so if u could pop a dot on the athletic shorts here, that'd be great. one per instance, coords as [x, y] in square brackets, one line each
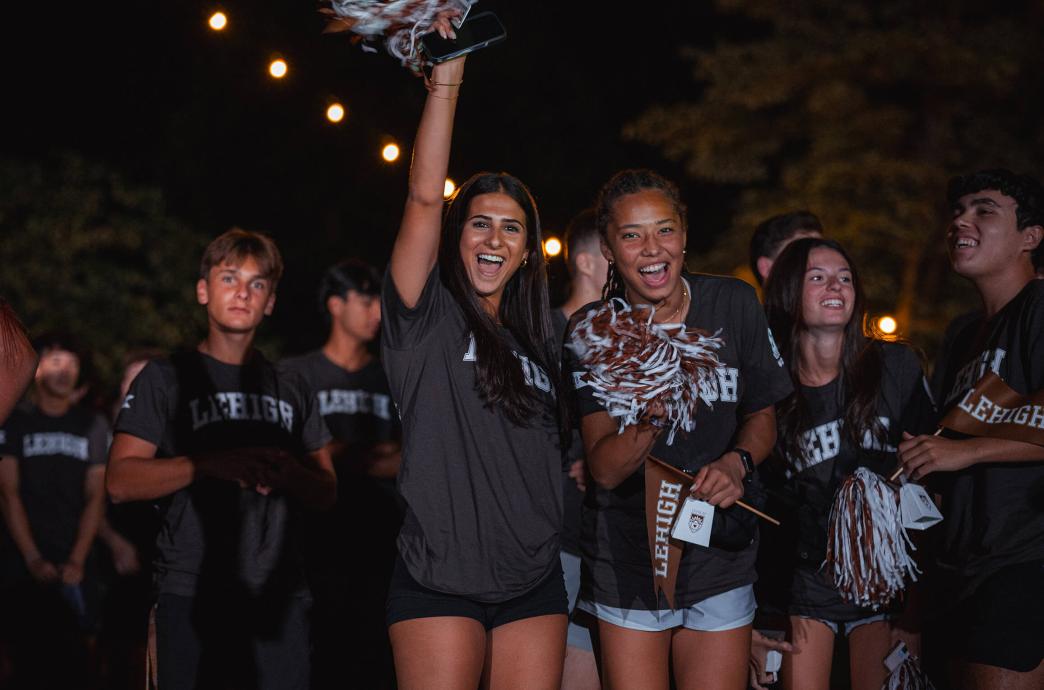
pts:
[579, 636]
[845, 628]
[725, 611]
[1002, 623]
[408, 599]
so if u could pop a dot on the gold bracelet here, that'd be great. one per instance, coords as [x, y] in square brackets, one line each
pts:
[442, 98]
[456, 83]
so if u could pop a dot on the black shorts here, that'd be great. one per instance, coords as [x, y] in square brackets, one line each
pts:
[1000, 624]
[408, 599]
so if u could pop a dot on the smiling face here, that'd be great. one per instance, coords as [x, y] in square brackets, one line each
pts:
[58, 372]
[645, 238]
[237, 297]
[493, 243]
[983, 239]
[828, 294]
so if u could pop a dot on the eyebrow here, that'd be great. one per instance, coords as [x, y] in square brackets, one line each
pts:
[820, 268]
[638, 225]
[235, 270]
[506, 220]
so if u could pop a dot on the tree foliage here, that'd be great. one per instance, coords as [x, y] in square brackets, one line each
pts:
[860, 111]
[86, 253]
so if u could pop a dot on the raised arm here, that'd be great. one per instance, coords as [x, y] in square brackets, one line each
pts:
[417, 245]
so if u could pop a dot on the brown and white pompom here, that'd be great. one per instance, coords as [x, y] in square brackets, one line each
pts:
[399, 22]
[868, 550]
[908, 676]
[632, 362]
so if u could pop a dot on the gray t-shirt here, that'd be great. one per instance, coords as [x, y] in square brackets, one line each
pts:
[483, 495]
[213, 533]
[615, 544]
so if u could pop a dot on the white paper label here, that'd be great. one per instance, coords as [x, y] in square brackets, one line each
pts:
[896, 657]
[916, 507]
[694, 522]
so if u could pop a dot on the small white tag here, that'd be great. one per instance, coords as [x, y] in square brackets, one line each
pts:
[773, 659]
[916, 507]
[694, 522]
[896, 657]
[464, 9]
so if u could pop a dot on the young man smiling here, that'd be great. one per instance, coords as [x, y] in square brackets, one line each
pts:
[991, 560]
[231, 446]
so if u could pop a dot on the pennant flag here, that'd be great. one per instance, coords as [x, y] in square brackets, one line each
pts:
[665, 489]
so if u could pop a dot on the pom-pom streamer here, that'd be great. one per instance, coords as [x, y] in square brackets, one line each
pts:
[400, 22]
[868, 550]
[908, 676]
[632, 362]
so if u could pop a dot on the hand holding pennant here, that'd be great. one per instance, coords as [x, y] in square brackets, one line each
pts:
[666, 487]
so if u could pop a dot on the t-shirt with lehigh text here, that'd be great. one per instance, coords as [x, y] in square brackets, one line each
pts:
[214, 533]
[483, 495]
[615, 548]
[54, 455]
[904, 403]
[993, 512]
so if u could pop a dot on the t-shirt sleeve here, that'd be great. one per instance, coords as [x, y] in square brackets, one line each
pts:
[98, 440]
[762, 367]
[1033, 333]
[148, 406]
[404, 327]
[314, 433]
[919, 414]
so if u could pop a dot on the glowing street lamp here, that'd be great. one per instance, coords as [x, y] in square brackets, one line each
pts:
[552, 246]
[449, 188]
[887, 325]
[278, 68]
[390, 153]
[335, 113]
[218, 21]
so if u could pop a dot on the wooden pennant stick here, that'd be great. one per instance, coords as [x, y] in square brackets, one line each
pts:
[757, 512]
[899, 470]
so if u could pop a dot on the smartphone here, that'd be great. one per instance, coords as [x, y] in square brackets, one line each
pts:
[480, 30]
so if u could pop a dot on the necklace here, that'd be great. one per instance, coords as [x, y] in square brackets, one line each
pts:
[684, 302]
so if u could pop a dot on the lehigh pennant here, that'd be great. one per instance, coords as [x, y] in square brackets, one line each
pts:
[993, 409]
[665, 489]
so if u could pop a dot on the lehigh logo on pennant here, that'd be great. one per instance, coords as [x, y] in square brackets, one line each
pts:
[696, 522]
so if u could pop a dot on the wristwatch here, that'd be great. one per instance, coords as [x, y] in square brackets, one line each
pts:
[748, 463]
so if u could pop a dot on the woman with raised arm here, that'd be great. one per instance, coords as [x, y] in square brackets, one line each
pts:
[706, 633]
[853, 398]
[477, 596]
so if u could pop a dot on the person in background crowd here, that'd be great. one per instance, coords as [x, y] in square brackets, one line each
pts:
[774, 234]
[990, 566]
[588, 270]
[52, 468]
[232, 446]
[350, 641]
[853, 399]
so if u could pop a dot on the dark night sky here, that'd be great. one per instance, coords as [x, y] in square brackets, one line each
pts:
[148, 89]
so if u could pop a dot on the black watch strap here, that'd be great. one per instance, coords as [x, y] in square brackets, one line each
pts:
[748, 462]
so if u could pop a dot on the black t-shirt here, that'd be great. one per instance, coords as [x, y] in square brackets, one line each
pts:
[213, 532]
[617, 571]
[483, 495]
[572, 496]
[904, 404]
[358, 410]
[994, 512]
[53, 456]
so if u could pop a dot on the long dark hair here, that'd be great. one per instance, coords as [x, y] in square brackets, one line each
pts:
[621, 184]
[524, 308]
[860, 356]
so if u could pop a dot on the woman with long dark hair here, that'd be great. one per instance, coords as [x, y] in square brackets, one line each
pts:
[477, 595]
[853, 398]
[706, 633]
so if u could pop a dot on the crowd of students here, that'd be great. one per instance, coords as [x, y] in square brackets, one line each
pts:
[465, 512]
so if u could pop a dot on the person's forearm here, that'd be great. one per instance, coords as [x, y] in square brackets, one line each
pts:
[615, 457]
[384, 463]
[18, 526]
[757, 434]
[144, 479]
[90, 519]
